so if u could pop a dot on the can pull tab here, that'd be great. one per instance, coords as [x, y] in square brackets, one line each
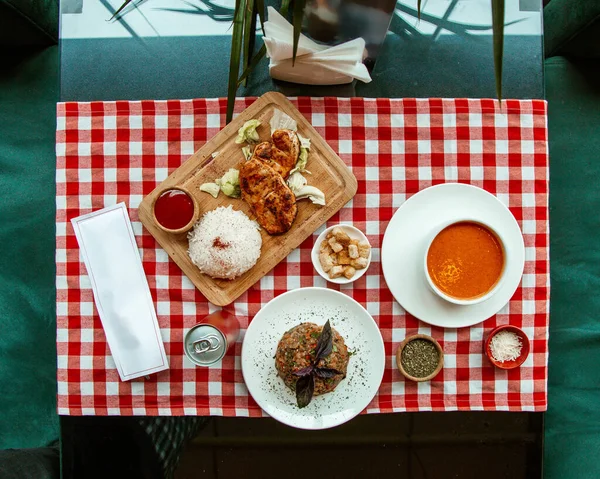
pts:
[206, 344]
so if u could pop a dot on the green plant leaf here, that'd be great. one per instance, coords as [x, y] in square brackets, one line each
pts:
[297, 17]
[285, 6]
[260, 6]
[255, 59]
[120, 9]
[498, 31]
[236, 44]
[234, 59]
[248, 34]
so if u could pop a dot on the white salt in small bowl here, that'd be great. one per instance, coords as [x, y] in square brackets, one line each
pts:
[354, 233]
[515, 363]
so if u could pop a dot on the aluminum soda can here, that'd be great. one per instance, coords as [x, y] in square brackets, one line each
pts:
[208, 341]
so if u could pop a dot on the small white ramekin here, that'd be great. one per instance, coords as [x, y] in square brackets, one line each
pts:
[354, 233]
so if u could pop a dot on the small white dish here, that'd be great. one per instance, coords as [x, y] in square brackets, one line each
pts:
[406, 239]
[483, 297]
[315, 305]
[354, 233]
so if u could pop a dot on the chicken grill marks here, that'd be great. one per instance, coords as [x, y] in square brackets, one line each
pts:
[270, 198]
[282, 153]
[262, 181]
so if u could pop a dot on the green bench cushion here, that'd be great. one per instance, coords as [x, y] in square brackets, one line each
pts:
[28, 22]
[572, 27]
[28, 95]
[573, 418]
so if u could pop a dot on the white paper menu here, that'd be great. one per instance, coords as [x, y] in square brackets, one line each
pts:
[121, 291]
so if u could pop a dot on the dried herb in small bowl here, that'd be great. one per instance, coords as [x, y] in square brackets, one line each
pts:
[305, 386]
[420, 357]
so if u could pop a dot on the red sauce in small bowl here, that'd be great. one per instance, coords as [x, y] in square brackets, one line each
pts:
[174, 209]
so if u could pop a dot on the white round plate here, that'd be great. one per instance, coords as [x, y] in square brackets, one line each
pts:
[317, 305]
[405, 242]
[354, 233]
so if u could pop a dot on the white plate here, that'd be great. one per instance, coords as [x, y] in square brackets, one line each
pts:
[317, 305]
[354, 233]
[405, 242]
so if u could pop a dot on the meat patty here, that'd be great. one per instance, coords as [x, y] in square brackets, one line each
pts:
[295, 351]
[282, 154]
[270, 198]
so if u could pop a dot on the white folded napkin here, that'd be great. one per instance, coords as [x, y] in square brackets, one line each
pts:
[121, 291]
[315, 64]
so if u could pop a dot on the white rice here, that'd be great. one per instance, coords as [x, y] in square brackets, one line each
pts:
[225, 243]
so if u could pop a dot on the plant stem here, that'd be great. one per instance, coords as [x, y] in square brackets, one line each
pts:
[234, 60]
[498, 31]
[297, 18]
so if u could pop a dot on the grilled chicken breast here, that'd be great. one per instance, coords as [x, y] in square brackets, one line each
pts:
[282, 154]
[267, 153]
[264, 189]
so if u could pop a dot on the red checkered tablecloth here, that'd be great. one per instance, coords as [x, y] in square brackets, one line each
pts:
[108, 152]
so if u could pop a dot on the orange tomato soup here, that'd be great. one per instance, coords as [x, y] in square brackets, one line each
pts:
[465, 260]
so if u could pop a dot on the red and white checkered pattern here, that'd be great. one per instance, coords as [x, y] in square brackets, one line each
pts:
[110, 152]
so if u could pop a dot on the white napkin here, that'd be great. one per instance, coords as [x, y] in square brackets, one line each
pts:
[121, 292]
[315, 64]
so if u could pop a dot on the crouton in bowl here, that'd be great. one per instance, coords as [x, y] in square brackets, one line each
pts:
[341, 254]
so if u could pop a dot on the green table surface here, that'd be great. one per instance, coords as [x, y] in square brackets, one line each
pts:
[28, 91]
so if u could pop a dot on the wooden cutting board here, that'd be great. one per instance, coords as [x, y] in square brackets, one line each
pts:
[329, 174]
